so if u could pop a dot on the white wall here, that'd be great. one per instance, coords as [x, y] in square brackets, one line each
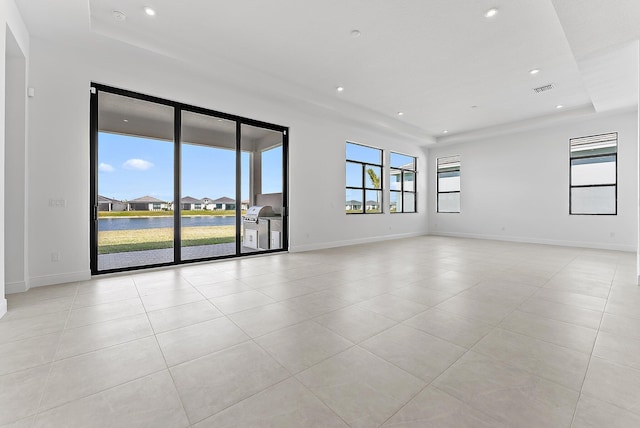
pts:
[58, 155]
[516, 187]
[15, 209]
[10, 68]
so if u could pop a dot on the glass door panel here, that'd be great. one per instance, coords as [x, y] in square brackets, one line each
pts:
[135, 183]
[208, 187]
[262, 177]
[173, 183]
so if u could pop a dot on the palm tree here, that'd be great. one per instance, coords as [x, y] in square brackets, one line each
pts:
[375, 180]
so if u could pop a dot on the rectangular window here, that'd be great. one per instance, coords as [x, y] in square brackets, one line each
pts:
[594, 171]
[363, 179]
[448, 184]
[402, 194]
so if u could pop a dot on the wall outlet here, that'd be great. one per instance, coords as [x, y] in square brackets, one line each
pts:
[57, 203]
[55, 257]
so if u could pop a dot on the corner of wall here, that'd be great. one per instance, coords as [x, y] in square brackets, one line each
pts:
[15, 287]
[41, 281]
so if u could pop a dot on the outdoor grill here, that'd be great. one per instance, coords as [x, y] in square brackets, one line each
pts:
[256, 227]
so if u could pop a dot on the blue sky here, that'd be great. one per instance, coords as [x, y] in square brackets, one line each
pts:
[369, 155]
[131, 167]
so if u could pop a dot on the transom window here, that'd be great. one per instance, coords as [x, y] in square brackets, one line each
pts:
[448, 184]
[594, 169]
[363, 179]
[402, 175]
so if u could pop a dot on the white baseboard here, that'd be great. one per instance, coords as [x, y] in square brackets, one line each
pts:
[529, 240]
[335, 244]
[61, 278]
[3, 307]
[15, 287]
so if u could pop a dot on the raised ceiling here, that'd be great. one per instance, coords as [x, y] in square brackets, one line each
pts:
[441, 63]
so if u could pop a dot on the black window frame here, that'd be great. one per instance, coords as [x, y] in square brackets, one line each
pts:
[593, 139]
[402, 190]
[364, 187]
[96, 89]
[438, 192]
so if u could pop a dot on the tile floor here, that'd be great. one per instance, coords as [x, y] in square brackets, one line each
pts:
[410, 333]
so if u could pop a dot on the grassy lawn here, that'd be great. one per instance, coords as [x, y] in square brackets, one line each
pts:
[120, 241]
[106, 214]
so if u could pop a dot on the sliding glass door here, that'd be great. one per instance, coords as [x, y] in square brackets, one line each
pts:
[262, 159]
[135, 183]
[173, 183]
[208, 202]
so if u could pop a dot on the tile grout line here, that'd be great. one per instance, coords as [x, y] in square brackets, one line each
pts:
[250, 339]
[46, 383]
[595, 341]
[494, 327]
[155, 336]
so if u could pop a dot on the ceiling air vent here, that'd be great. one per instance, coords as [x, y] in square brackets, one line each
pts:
[543, 88]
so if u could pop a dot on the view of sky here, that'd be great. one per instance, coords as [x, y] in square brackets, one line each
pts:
[132, 167]
[371, 156]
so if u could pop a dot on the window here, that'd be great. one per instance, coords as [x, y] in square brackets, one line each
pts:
[594, 169]
[449, 184]
[363, 179]
[402, 196]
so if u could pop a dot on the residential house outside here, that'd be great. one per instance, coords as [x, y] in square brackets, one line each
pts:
[224, 203]
[108, 204]
[148, 203]
[207, 203]
[353, 205]
[190, 203]
[372, 206]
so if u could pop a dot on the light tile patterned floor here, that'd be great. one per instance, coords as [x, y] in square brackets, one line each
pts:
[418, 332]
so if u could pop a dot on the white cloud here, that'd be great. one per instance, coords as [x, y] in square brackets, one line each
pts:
[139, 164]
[105, 167]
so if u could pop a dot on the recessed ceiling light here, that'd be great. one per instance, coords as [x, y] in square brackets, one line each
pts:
[491, 12]
[534, 71]
[149, 11]
[445, 131]
[559, 106]
[339, 89]
[119, 16]
[400, 113]
[355, 33]
[125, 120]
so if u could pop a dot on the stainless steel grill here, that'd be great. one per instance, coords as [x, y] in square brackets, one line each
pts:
[256, 227]
[257, 211]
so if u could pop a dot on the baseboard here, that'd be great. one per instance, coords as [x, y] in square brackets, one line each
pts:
[335, 244]
[41, 281]
[15, 287]
[3, 307]
[529, 240]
